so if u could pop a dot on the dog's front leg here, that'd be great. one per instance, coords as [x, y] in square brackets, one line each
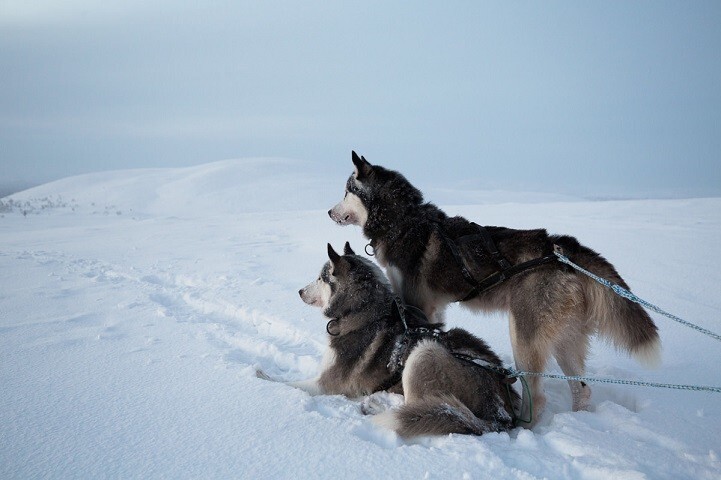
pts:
[418, 294]
[311, 386]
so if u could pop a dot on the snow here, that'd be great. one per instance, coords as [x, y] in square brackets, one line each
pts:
[135, 307]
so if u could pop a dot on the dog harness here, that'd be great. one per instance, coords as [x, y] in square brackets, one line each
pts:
[505, 269]
[407, 339]
[410, 337]
[419, 329]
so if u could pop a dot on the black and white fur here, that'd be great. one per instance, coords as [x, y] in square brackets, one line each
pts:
[443, 393]
[552, 310]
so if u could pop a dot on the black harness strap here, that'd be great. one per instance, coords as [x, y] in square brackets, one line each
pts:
[499, 277]
[415, 328]
[490, 246]
[506, 375]
[457, 254]
[506, 269]
[410, 336]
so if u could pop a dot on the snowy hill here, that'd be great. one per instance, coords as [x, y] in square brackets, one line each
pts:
[136, 305]
[230, 186]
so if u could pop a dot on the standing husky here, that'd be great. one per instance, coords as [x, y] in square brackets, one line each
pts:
[433, 259]
[377, 344]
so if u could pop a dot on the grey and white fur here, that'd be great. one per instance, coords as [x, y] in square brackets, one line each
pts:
[443, 393]
[552, 310]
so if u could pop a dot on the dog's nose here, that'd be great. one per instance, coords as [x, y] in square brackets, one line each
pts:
[330, 214]
[300, 292]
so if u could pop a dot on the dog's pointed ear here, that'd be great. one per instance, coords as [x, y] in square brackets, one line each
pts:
[347, 250]
[333, 255]
[362, 166]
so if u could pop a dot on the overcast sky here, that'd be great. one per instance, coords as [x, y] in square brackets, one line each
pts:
[597, 98]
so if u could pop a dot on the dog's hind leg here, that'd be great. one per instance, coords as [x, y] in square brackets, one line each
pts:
[439, 394]
[530, 352]
[570, 354]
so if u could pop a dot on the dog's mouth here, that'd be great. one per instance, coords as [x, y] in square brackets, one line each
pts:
[312, 300]
[341, 219]
[345, 220]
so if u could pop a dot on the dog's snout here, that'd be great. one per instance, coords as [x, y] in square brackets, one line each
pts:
[330, 213]
[300, 292]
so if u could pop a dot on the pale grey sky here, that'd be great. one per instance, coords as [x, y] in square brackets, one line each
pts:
[597, 98]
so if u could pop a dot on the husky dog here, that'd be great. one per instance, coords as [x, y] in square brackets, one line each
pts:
[452, 381]
[433, 259]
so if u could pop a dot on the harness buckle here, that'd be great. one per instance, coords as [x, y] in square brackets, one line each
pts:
[503, 263]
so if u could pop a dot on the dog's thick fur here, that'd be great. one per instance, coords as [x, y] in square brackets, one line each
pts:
[443, 394]
[552, 309]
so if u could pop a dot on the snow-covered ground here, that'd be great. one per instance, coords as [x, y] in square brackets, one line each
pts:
[135, 307]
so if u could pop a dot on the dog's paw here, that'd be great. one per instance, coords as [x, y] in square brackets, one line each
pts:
[379, 402]
[371, 406]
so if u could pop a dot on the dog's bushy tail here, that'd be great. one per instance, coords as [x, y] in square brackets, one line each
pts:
[438, 414]
[625, 323]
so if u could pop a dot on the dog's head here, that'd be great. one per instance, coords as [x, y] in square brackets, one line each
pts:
[346, 283]
[374, 194]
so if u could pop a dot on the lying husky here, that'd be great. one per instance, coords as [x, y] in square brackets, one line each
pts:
[376, 344]
[433, 259]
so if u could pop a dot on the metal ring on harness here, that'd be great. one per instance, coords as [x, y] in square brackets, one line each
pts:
[372, 253]
[327, 327]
